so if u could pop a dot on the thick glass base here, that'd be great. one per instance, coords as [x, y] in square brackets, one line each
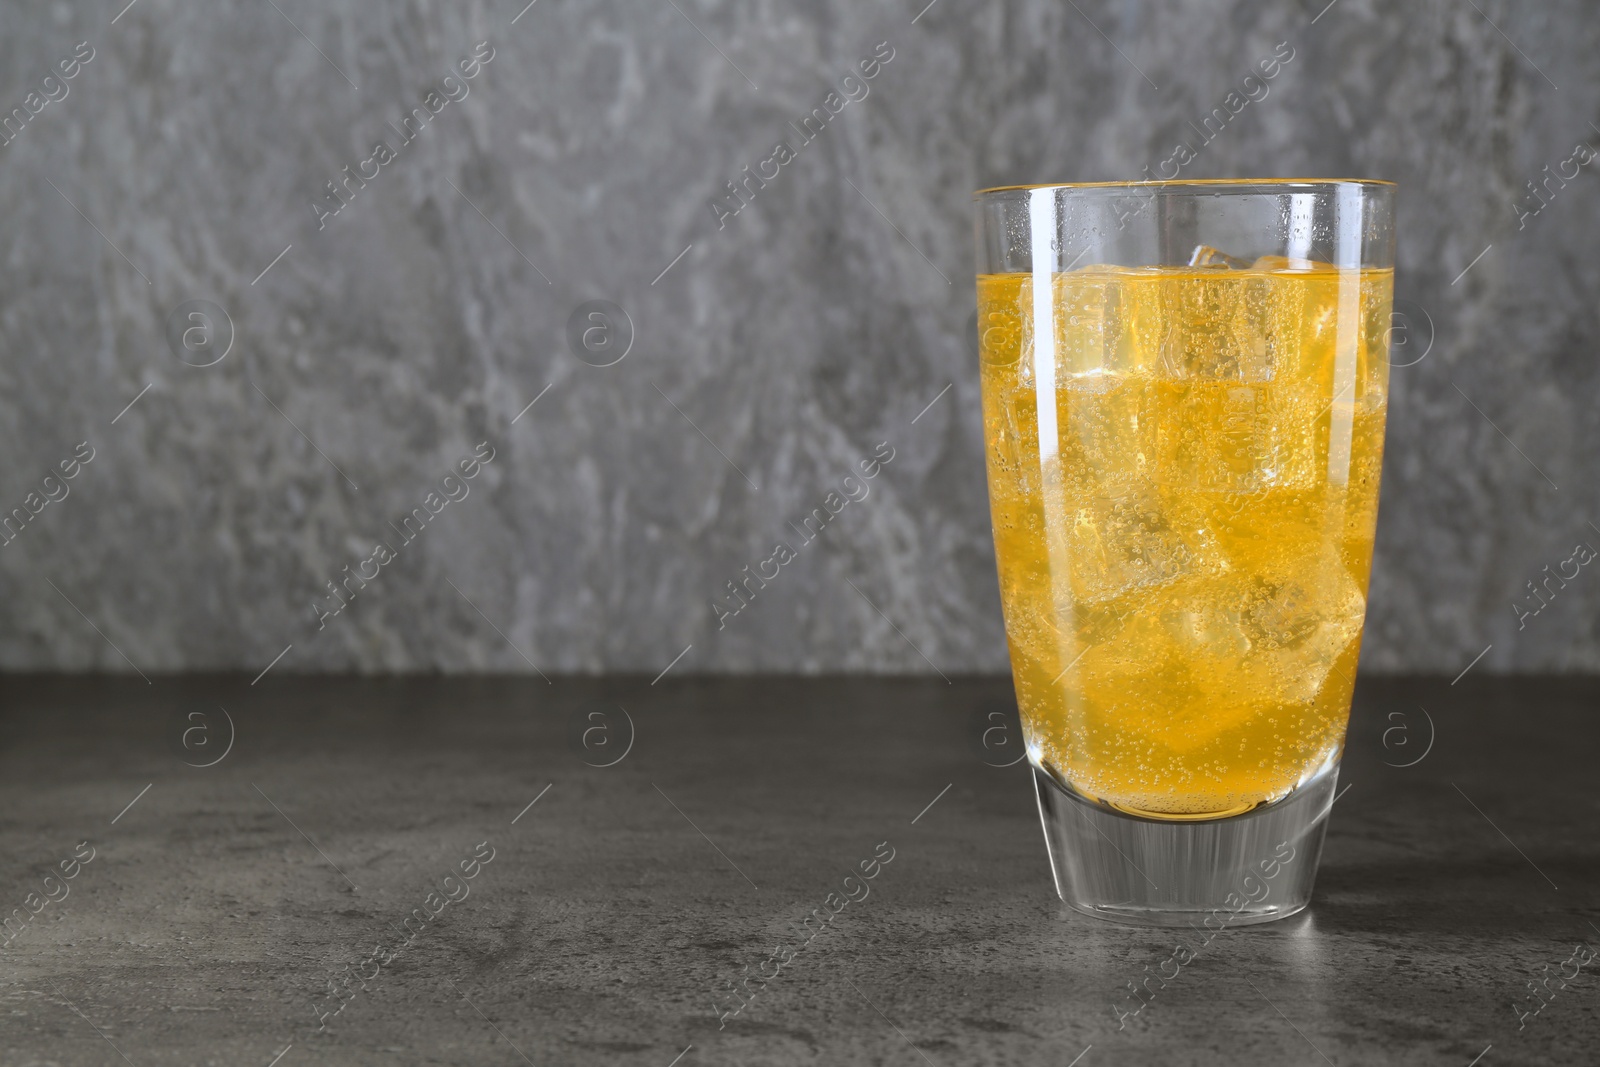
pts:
[1234, 871]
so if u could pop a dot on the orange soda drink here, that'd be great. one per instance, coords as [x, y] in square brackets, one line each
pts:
[1184, 519]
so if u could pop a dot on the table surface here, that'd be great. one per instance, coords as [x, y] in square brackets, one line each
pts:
[259, 906]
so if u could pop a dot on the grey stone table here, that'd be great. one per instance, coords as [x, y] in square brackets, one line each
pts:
[445, 871]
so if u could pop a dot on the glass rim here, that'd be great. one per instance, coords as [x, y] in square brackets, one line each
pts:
[1266, 184]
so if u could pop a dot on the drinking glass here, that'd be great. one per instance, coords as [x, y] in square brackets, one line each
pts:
[1184, 389]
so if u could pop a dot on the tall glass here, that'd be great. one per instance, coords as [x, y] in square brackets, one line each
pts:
[1184, 388]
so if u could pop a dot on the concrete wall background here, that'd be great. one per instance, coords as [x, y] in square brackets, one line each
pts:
[771, 358]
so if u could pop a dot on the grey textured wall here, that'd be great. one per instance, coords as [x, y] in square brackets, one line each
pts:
[776, 352]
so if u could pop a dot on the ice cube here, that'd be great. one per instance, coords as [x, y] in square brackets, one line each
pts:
[1000, 326]
[1289, 263]
[1234, 437]
[1011, 434]
[1206, 256]
[1121, 540]
[1300, 618]
[1090, 321]
[1210, 654]
[1158, 680]
[1104, 429]
[1213, 327]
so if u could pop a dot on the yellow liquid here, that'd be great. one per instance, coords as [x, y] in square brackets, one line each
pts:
[1184, 552]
